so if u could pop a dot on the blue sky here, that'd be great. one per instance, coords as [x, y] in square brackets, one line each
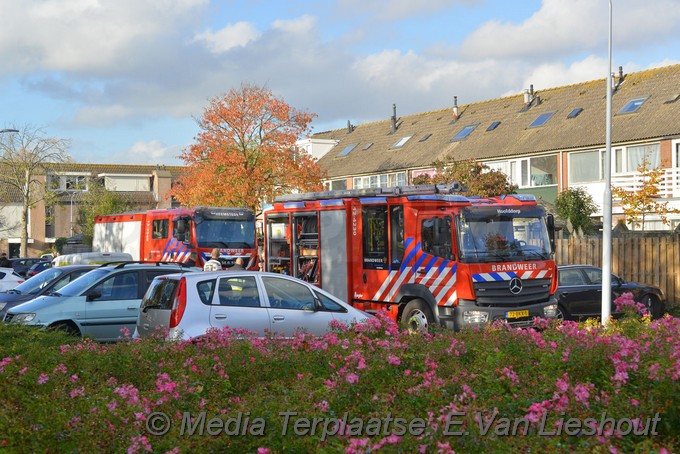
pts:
[125, 80]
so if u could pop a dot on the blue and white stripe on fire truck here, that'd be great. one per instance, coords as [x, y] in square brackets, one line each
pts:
[419, 267]
[175, 251]
[491, 277]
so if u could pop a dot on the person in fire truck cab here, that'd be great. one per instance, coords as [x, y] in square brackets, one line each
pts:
[238, 265]
[214, 263]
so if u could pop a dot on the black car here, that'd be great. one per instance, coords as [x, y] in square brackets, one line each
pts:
[22, 264]
[579, 293]
[48, 281]
[38, 268]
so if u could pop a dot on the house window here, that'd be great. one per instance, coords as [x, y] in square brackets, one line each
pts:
[337, 185]
[585, 166]
[574, 113]
[463, 133]
[380, 181]
[543, 170]
[677, 155]
[493, 125]
[632, 106]
[75, 182]
[541, 120]
[401, 142]
[348, 149]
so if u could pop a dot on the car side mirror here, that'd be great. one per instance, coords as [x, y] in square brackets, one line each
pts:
[311, 307]
[93, 295]
[550, 223]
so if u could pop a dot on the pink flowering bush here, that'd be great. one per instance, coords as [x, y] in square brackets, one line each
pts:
[355, 390]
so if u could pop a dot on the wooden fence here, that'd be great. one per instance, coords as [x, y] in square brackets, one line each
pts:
[651, 260]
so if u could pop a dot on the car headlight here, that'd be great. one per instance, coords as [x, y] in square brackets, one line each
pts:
[23, 318]
[550, 311]
[475, 317]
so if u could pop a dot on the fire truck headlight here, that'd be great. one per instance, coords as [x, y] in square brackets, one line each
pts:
[475, 317]
[550, 311]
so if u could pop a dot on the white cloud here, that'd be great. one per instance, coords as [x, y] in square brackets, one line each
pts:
[303, 25]
[88, 35]
[560, 28]
[229, 37]
[151, 152]
[397, 9]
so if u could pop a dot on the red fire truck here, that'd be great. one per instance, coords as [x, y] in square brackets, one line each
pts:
[171, 235]
[422, 253]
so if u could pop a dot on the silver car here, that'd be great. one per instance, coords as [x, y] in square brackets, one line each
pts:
[102, 303]
[184, 307]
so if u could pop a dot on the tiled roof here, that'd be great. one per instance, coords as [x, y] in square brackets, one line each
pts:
[145, 197]
[656, 118]
[96, 169]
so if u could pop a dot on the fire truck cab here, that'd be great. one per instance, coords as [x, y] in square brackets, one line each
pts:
[422, 253]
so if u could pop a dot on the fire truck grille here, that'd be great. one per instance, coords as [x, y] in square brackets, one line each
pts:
[497, 293]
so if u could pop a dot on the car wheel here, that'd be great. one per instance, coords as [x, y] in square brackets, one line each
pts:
[562, 314]
[417, 316]
[67, 327]
[653, 306]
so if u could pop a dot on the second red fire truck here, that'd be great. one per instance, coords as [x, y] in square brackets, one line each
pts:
[171, 235]
[422, 253]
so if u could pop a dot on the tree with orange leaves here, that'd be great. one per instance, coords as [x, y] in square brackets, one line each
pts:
[245, 152]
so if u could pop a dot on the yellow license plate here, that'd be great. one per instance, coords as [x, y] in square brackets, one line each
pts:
[517, 314]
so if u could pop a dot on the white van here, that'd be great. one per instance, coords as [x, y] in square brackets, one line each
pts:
[91, 258]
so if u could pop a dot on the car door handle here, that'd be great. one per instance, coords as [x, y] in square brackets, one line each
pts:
[133, 308]
[220, 316]
[279, 318]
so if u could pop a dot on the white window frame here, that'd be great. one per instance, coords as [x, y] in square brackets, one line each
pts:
[600, 162]
[620, 156]
[518, 170]
[379, 180]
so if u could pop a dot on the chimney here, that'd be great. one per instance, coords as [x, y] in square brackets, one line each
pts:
[620, 81]
[350, 128]
[455, 107]
[529, 95]
[394, 118]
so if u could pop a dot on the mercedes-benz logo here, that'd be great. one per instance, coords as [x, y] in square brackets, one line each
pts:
[515, 285]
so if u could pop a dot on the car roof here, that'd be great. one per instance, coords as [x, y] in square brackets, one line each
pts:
[564, 267]
[144, 265]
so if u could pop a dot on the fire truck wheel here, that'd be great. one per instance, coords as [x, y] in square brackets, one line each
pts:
[417, 316]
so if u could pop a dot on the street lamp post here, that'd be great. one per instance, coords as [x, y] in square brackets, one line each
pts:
[607, 203]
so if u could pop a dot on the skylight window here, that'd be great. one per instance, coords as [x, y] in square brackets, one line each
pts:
[348, 149]
[367, 146]
[463, 133]
[493, 125]
[541, 120]
[632, 106]
[574, 113]
[401, 142]
[425, 137]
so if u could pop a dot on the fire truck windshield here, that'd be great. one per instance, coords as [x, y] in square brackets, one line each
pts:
[225, 233]
[499, 234]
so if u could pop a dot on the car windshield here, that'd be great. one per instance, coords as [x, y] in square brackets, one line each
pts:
[237, 234]
[34, 285]
[488, 234]
[84, 282]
